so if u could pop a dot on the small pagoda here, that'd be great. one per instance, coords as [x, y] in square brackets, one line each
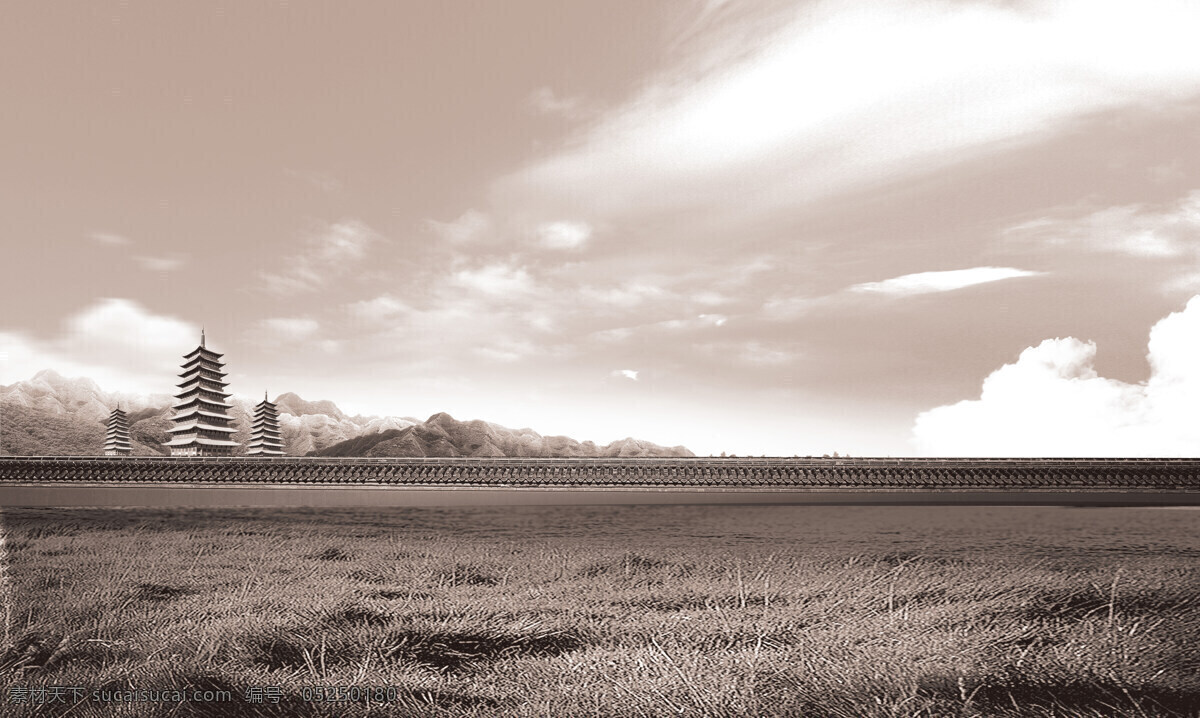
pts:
[264, 435]
[203, 426]
[116, 441]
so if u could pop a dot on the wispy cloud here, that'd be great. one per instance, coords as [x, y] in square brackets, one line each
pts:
[945, 281]
[377, 309]
[159, 264]
[747, 353]
[322, 257]
[564, 235]
[630, 374]
[796, 116]
[110, 239]
[290, 328]
[547, 102]
[496, 280]
[1135, 230]
[471, 226]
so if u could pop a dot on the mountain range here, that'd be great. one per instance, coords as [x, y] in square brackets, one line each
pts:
[50, 415]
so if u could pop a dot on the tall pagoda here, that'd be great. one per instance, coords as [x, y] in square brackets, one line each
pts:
[116, 441]
[203, 426]
[264, 434]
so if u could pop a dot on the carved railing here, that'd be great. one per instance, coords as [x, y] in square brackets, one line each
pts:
[779, 473]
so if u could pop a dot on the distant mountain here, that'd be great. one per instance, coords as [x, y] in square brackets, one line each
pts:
[443, 435]
[50, 415]
[54, 416]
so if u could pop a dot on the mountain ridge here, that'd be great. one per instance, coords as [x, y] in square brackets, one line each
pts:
[52, 415]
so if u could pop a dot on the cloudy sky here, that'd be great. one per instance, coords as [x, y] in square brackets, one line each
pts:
[877, 228]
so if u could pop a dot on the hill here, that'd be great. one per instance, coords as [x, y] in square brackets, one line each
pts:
[49, 415]
[443, 435]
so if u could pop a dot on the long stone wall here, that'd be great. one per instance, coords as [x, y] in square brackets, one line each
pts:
[845, 473]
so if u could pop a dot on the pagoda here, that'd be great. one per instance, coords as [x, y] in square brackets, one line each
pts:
[203, 426]
[116, 442]
[264, 434]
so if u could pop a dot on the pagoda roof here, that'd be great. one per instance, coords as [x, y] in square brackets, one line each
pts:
[117, 442]
[267, 444]
[189, 380]
[197, 440]
[185, 414]
[193, 425]
[201, 400]
[198, 390]
[201, 351]
[195, 367]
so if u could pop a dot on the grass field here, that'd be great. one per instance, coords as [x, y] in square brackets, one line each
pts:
[606, 611]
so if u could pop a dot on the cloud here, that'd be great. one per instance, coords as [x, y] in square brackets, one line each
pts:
[507, 350]
[1135, 230]
[291, 329]
[116, 342]
[112, 240]
[495, 280]
[377, 309]
[1052, 402]
[626, 296]
[159, 264]
[545, 101]
[930, 282]
[323, 257]
[471, 226]
[751, 353]
[626, 374]
[841, 95]
[564, 235]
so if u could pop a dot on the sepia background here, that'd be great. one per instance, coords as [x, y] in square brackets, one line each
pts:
[882, 228]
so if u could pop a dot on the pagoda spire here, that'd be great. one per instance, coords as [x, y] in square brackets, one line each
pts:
[265, 439]
[116, 440]
[203, 426]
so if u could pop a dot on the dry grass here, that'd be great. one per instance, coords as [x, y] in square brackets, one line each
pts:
[481, 613]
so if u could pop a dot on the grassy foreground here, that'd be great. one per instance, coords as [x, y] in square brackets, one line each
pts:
[525, 624]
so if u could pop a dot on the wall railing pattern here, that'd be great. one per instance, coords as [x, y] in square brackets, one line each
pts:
[777, 473]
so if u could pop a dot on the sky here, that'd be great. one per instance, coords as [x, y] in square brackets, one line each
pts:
[757, 227]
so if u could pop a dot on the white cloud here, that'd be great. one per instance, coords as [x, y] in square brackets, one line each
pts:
[112, 240]
[324, 256]
[702, 320]
[292, 329]
[747, 353]
[159, 264]
[495, 280]
[626, 296]
[631, 374]
[472, 225]
[929, 282]
[564, 235]
[547, 102]
[1135, 230]
[1052, 402]
[377, 309]
[507, 350]
[848, 93]
[116, 342]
